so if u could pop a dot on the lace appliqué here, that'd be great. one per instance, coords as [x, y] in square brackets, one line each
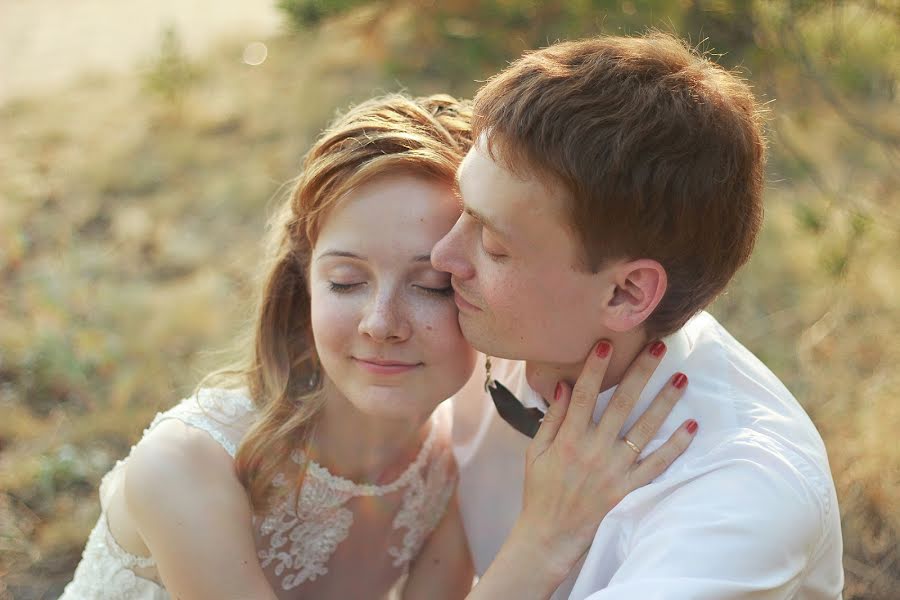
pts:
[303, 539]
[304, 535]
[424, 503]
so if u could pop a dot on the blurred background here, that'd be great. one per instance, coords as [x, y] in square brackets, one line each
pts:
[143, 144]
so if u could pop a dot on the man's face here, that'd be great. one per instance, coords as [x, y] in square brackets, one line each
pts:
[514, 262]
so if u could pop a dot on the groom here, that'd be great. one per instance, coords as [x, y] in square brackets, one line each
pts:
[613, 191]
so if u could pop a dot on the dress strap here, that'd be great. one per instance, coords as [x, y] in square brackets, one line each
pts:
[224, 414]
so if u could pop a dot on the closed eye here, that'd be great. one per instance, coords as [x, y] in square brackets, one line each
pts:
[342, 288]
[484, 246]
[443, 292]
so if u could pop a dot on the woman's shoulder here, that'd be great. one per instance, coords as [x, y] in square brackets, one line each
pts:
[194, 441]
[177, 468]
[175, 455]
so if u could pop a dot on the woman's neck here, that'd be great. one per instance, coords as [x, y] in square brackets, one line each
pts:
[362, 447]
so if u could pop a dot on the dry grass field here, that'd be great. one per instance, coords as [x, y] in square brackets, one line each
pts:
[131, 209]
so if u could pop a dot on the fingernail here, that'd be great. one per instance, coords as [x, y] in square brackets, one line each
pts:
[691, 426]
[657, 349]
[558, 392]
[680, 381]
[603, 349]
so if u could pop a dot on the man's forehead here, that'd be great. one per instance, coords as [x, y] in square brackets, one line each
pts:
[489, 187]
[480, 159]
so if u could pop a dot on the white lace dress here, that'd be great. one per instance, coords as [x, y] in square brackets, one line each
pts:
[295, 540]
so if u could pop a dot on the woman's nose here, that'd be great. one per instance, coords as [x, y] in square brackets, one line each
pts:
[385, 319]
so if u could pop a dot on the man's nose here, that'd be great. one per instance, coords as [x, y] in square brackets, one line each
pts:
[385, 319]
[450, 255]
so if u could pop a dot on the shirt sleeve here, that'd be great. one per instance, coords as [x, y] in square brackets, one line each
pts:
[747, 528]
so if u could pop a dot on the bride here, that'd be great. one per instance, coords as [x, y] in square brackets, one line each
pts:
[322, 467]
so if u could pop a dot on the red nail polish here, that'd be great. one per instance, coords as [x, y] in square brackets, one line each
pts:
[558, 392]
[691, 426]
[603, 349]
[657, 349]
[680, 381]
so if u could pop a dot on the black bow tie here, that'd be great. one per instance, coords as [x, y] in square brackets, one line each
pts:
[524, 420]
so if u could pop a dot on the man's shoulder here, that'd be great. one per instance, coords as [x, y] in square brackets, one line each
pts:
[742, 507]
[715, 348]
[741, 394]
[745, 480]
[758, 455]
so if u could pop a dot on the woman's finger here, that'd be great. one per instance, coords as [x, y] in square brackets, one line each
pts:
[628, 392]
[645, 428]
[660, 459]
[584, 395]
[552, 421]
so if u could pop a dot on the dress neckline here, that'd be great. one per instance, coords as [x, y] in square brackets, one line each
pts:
[353, 488]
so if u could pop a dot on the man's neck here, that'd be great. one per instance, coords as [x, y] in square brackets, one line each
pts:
[542, 377]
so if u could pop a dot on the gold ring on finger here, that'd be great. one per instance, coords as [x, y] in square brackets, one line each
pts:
[632, 445]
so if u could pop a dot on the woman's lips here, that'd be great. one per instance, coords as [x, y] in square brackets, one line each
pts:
[385, 367]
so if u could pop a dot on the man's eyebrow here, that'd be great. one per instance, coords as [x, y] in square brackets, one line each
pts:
[485, 222]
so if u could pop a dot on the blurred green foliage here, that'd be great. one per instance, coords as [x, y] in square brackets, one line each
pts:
[457, 39]
[170, 74]
[308, 13]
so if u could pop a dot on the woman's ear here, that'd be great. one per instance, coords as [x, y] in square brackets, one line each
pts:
[640, 286]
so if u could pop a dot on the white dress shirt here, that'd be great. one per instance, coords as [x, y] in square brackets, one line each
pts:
[748, 511]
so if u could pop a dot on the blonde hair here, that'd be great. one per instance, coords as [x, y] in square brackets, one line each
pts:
[427, 137]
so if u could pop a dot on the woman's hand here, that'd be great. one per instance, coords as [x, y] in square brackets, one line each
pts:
[577, 471]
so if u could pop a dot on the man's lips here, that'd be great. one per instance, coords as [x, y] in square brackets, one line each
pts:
[385, 367]
[462, 303]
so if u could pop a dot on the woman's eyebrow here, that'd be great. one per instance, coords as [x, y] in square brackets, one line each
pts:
[421, 258]
[340, 254]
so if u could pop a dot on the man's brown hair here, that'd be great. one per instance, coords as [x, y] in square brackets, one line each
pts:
[660, 149]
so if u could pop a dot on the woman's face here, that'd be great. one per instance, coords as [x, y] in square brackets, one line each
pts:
[384, 321]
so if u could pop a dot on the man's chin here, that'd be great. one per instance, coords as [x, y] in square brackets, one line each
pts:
[474, 333]
[482, 338]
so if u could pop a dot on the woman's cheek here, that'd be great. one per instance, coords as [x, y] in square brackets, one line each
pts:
[440, 317]
[449, 345]
[333, 319]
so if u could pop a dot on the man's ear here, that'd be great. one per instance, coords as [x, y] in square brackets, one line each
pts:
[640, 286]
